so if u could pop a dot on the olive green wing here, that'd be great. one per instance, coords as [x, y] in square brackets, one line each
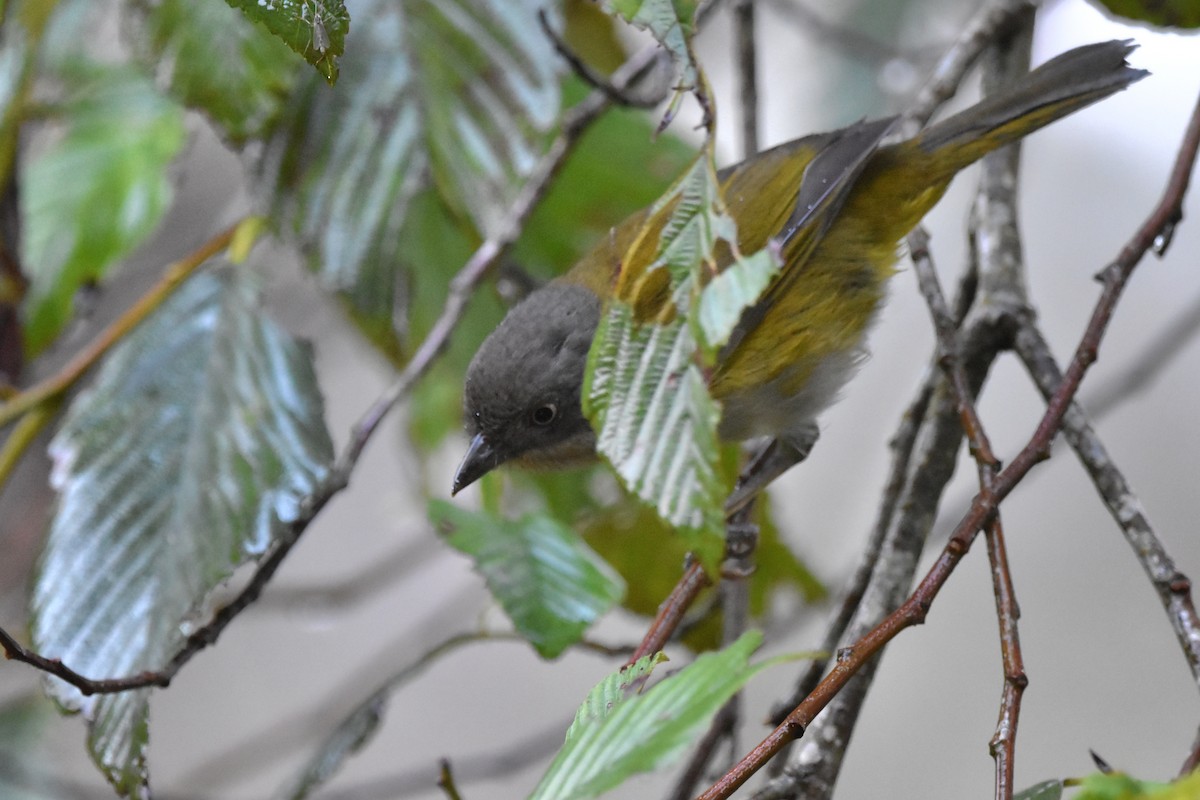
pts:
[830, 165]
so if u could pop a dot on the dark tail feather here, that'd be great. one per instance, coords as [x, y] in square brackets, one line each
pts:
[1062, 85]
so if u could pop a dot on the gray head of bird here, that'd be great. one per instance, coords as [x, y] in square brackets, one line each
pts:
[522, 393]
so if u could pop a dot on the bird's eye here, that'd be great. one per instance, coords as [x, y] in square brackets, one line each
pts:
[544, 415]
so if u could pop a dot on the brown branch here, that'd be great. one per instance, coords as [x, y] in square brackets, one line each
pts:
[1003, 742]
[1192, 762]
[1171, 585]
[199, 640]
[740, 544]
[997, 196]
[1000, 171]
[902, 446]
[1115, 277]
[672, 611]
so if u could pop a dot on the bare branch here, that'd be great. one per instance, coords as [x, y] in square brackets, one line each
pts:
[746, 60]
[1004, 740]
[617, 94]
[987, 26]
[672, 611]
[1192, 762]
[1001, 171]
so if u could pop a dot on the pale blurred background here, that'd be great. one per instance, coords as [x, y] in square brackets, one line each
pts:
[1105, 671]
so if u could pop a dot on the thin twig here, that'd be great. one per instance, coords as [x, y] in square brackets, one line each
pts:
[672, 611]
[1172, 586]
[746, 59]
[446, 780]
[740, 545]
[984, 28]
[999, 172]
[721, 728]
[1115, 277]
[997, 201]
[1004, 740]
[23, 434]
[946, 330]
[616, 94]
[1192, 762]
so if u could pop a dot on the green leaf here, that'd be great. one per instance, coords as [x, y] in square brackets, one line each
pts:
[1119, 786]
[694, 226]
[97, 192]
[316, 29]
[545, 578]
[1185, 788]
[350, 736]
[1046, 790]
[644, 390]
[1164, 13]
[617, 734]
[724, 299]
[188, 457]
[214, 59]
[457, 96]
[606, 696]
[656, 423]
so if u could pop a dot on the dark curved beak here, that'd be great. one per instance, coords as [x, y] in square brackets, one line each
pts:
[479, 461]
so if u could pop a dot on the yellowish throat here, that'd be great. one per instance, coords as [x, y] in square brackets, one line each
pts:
[793, 350]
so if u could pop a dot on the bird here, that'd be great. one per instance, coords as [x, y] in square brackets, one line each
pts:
[835, 207]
